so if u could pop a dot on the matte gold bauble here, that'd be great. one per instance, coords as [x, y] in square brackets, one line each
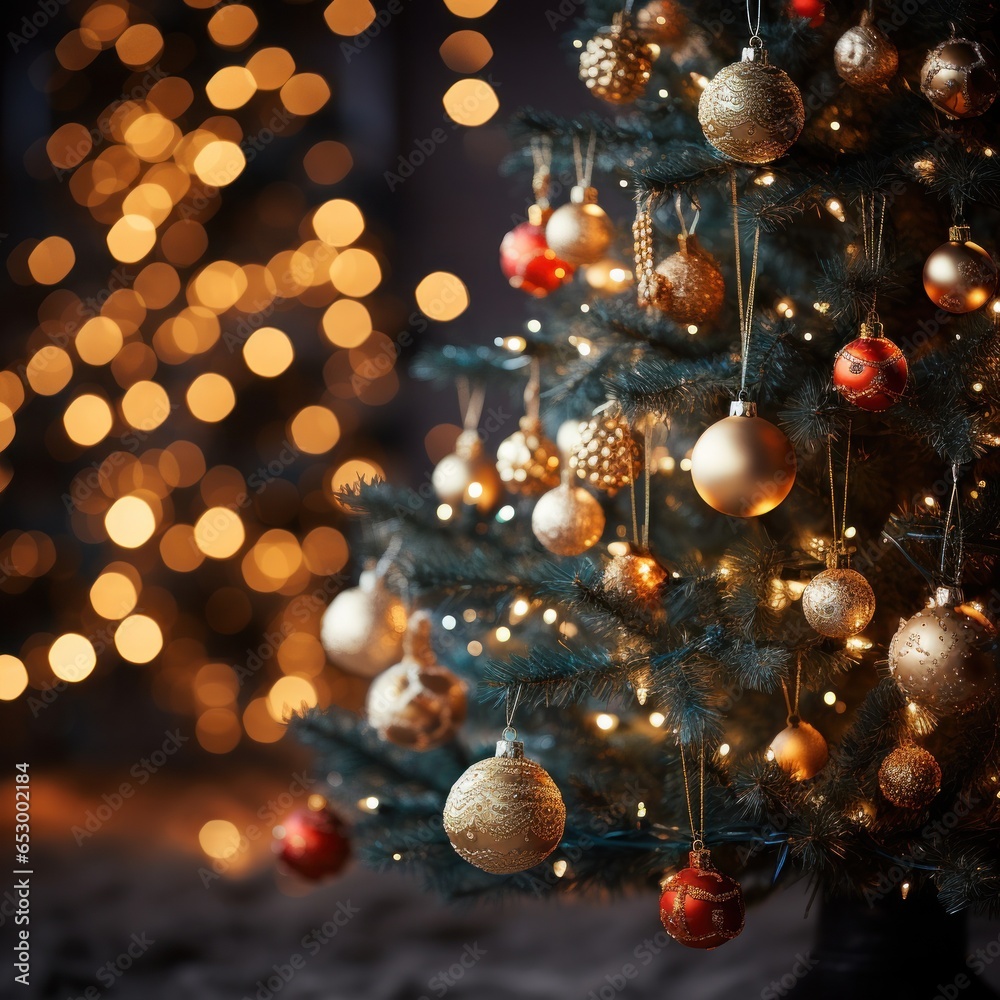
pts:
[751, 111]
[839, 602]
[467, 476]
[505, 814]
[945, 657]
[633, 575]
[661, 22]
[362, 629]
[527, 461]
[693, 289]
[567, 520]
[606, 455]
[417, 704]
[743, 465]
[864, 57]
[800, 750]
[958, 79]
[910, 777]
[580, 232]
[615, 64]
[960, 276]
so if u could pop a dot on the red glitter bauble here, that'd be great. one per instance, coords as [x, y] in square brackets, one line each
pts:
[700, 907]
[871, 373]
[528, 264]
[312, 842]
[815, 10]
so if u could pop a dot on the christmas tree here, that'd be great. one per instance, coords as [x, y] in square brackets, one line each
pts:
[732, 577]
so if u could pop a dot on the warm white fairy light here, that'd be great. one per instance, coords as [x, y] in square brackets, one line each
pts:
[623, 183]
[515, 344]
[448, 622]
[686, 464]
[397, 857]
[520, 607]
[640, 810]
[503, 634]
[474, 648]
[836, 209]
[559, 867]
[830, 697]
[533, 326]
[834, 126]
[585, 307]
[850, 532]
[549, 615]
[929, 501]
[444, 511]
[664, 92]
[765, 179]
[692, 328]
[606, 722]
[656, 719]
[807, 336]
[724, 749]
[469, 615]
[370, 803]
[505, 513]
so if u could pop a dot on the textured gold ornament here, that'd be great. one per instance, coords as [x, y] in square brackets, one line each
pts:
[580, 232]
[960, 276]
[362, 629]
[839, 602]
[417, 704]
[743, 465]
[751, 111]
[606, 455]
[693, 289]
[944, 657]
[567, 520]
[467, 476]
[958, 79]
[633, 575]
[661, 22]
[527, 461]
[615, 64]
[910, 777]
[864, 57]
[505, 814]
[799, 749]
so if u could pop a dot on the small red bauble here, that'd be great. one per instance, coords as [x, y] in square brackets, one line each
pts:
[527, 262]
[312, 842]
[870, 372]
[700, 907]
[815, 10]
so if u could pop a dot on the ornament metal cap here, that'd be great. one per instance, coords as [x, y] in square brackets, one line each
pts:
[754, 51]
[959, 234]
[580, 195]
[509, 746]
[742, 408]
[946, 596]
[871, 328]
[700, 856]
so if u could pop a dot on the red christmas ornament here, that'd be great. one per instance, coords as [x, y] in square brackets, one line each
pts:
[312, 842]
[527, 262]
[700, 907]
[871, 371]
[815, 10]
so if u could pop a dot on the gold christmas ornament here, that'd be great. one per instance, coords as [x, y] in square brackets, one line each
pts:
[743, 465]
[960, 276]
[362, 629]
[505, 814]
[467, 476]
[910, 777]
[606, 456]
[958, 79]
[633, 575]
[800, 750]
[839, 602]
[615, 64]
[864, 57]
[751, 111]
[527, 461]
[567, 520]
[661, 22]
[945, 657]
[580, 232]
[417, 704]
[692, 289]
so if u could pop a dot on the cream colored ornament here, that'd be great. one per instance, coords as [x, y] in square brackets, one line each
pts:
[467, 476]
[607, 456]
[527, 461]
[799, 749]
[362, 629]
[580, 232]
[567, 520]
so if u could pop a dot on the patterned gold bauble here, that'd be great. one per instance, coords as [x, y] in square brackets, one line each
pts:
[960, 276]
[751, 111]
[864, 56]
[417, 704]
[505, 814]
[362, 629]
[692, 290]
[800, 750]
[615, 64]
[567, 520]
[467, 476]
[633, 575]
[945, 657]
[910, 777]
[743, 465]
[661, 22]
[580, 232]
[606, 456]
[958, 79]
[527, 461]
[839, 602]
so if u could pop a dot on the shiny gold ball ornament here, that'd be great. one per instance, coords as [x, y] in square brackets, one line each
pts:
[945, 657]
[527, 461]
[743, 465]
[567, 520]
[692, 290]
[910, 777]
[615, 64]
[751, 111]
[505, 814]
[661, 22]
[362, 629]
[633, 575]
[467, 475]
[959, 79]
[839, 602]
[800, 750]
[606, 455]
[580, 232]
[864, 57]
[417, 704]
[960, 276]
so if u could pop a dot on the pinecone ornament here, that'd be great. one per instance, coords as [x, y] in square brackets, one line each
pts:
[606, 456]
[615, 64]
